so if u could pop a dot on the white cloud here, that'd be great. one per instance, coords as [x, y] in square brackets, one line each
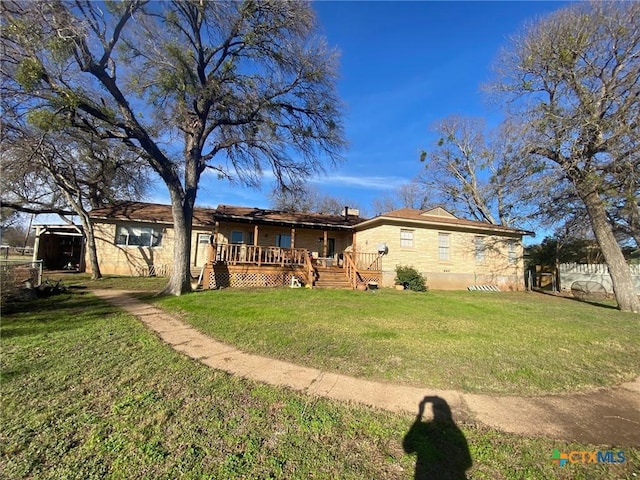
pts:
[362, 181]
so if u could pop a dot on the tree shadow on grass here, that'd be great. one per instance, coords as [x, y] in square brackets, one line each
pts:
[441, 449]
[62, 312]
[595, 303]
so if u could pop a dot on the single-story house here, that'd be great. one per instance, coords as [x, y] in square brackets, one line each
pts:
[241, 246]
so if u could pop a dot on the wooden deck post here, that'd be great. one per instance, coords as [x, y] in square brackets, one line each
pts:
[213, 245]
[325, 243]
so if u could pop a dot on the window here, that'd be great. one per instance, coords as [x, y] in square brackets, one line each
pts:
[406, 238]
[283, 241]
[138, 236]
[479, 248]
[237, 237]
[443, 246]
[512, 251]
[204, 238]
[242, 237]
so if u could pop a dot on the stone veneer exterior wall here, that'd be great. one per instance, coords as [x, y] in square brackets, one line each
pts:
[461, 270]
[136, 261]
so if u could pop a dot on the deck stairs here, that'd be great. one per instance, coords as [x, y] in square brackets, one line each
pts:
[332, 277]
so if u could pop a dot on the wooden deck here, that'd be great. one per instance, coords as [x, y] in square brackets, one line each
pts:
[239, 265]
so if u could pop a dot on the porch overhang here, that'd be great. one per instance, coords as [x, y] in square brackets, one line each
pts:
[282, 218]
[281, 223]
[60, 230]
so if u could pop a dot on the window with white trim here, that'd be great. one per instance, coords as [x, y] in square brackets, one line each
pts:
[479, 248]
[138, 236]
[444, 246]
[406, 238]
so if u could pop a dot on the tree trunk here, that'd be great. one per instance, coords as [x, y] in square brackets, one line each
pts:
[180, 280]
[85, 221]
[621, 279]
[91, 247]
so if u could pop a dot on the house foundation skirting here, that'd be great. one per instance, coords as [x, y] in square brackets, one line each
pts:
[368, 276]
[462, 281]
[243, 276]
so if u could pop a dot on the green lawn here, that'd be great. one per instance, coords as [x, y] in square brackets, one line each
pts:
[148, 284]
[87, 392]
[506, 343]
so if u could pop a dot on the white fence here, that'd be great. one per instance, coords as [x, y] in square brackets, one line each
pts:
[594, 272]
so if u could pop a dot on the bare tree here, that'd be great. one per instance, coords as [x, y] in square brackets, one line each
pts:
[67, 174]
[623, 206]
[304, 197]
[559, 208]
[412, 194]
[234, 87]
[574, 77]
[474, 173]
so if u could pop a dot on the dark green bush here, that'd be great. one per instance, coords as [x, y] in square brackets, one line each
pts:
[410, 278]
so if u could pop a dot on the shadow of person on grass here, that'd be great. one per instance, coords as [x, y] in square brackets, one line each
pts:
[441, 450]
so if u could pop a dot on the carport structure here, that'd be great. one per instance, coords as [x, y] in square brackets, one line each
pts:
[59, 246]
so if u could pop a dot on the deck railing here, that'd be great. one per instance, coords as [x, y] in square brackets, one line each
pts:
[350, 269]
[235, 254]
[310, 270]
[241, 254]
[367, 261]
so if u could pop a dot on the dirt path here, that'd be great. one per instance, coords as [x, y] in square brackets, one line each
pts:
[607, 417]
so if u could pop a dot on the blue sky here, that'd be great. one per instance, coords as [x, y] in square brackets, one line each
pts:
[403, 66]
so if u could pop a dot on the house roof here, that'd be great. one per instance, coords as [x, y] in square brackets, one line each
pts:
[438, 217]
[278, 217]
[155, 213]
[149, 212]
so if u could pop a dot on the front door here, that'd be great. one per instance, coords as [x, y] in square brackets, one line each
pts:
[202, 249]
[331, 247]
